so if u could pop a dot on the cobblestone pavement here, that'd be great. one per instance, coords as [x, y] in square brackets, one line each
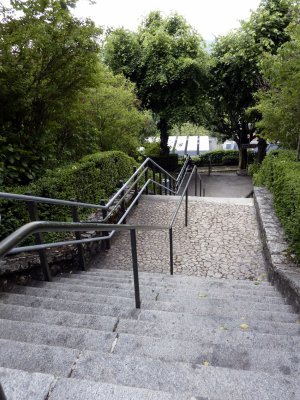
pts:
[221, 240]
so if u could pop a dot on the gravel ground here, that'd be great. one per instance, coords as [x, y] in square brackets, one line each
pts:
[221, 240]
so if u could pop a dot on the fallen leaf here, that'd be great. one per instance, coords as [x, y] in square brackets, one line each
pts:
[244, 326]
[223, 328]
[203, 295]
[206, 364]
[298, 321]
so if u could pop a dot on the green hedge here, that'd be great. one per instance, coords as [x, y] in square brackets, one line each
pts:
[221, 157]
[280, 173]
[93, 178]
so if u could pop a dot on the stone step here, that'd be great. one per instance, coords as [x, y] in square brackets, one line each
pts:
[196, 380]
[188, 326]
[125, 312]
[235, 309]
[75, 389]
[125, 289]
[178, 278]
[53, 335]
[173, 281]
[257, 303]
[71, 306]
[37, 358]
[255, 352]
[56, 317]
[20, 385]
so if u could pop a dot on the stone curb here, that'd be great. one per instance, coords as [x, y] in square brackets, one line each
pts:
[282, 272]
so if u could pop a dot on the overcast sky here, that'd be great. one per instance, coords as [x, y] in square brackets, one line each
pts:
[209, 17]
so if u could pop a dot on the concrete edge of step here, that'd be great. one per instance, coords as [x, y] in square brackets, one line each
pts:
[282, 271]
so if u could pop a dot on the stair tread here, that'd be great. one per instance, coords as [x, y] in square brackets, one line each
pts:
[74, 389]
[196, 380]
[20, 385]
[76, 338]
[259, 303]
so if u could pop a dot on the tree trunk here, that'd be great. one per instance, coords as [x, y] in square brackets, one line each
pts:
[261, 150]
[298, 149]
[164, 136]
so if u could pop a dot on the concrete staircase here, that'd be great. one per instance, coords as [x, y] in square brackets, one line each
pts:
[80, 338]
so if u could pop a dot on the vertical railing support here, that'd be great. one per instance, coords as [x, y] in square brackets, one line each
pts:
[80, 251]
[160, 182]
[186, 206]
[123, 202]
[200, 188]
[146, 179]
[171, 250]
[196, 182]
[135, 268]
[154, 180]
[166, 185]
[2, 395]
[105, 243]
[170, 186]
[136, 187]
[34, 216]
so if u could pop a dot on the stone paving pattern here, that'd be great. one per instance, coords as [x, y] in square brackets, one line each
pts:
[221, 241]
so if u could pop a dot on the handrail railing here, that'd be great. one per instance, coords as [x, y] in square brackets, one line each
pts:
[7, 246]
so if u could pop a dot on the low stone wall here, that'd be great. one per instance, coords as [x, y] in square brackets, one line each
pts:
[282, 270]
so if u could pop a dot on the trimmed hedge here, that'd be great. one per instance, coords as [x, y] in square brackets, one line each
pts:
[221, 157]
[93, 178]
[280, 173]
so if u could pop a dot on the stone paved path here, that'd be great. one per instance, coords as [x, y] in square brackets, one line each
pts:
[221, 241]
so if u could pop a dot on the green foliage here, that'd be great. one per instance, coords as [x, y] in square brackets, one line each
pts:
[280, 173]
[152, 149]
[189, 129]
[167, 61]
[46, 57]
[279, 102]
[219, 157]
[236, 68]
[95, 177]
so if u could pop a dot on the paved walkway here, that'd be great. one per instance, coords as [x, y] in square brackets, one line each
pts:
[221, 241]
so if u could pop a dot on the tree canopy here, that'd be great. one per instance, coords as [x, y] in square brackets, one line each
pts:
[167, 61]
[236, 68]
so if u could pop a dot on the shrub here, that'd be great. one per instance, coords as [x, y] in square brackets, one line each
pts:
[93, 178]
[280, 173]
[219, 157]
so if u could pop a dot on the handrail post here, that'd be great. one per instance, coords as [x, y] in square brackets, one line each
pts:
[200, 182]
[136, 186]
[79, 246]
[186, 206]
[123, 202]
[160, 182]
[166, 191]
[170, 186]
[154, 180]
[34, 216]
[2, 395]
[196, 182]
[146, 179]
[135, 268]
[171, 250]
[106, 243]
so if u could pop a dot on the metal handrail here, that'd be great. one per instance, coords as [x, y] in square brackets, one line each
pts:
[37, 227]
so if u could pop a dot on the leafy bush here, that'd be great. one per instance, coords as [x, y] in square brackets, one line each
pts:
[95, 177]
[280, 173]
[219, 157]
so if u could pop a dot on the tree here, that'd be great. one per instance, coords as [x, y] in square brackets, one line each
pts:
[236, 69]
[279, 102]
[167, 61]
[47, 57]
